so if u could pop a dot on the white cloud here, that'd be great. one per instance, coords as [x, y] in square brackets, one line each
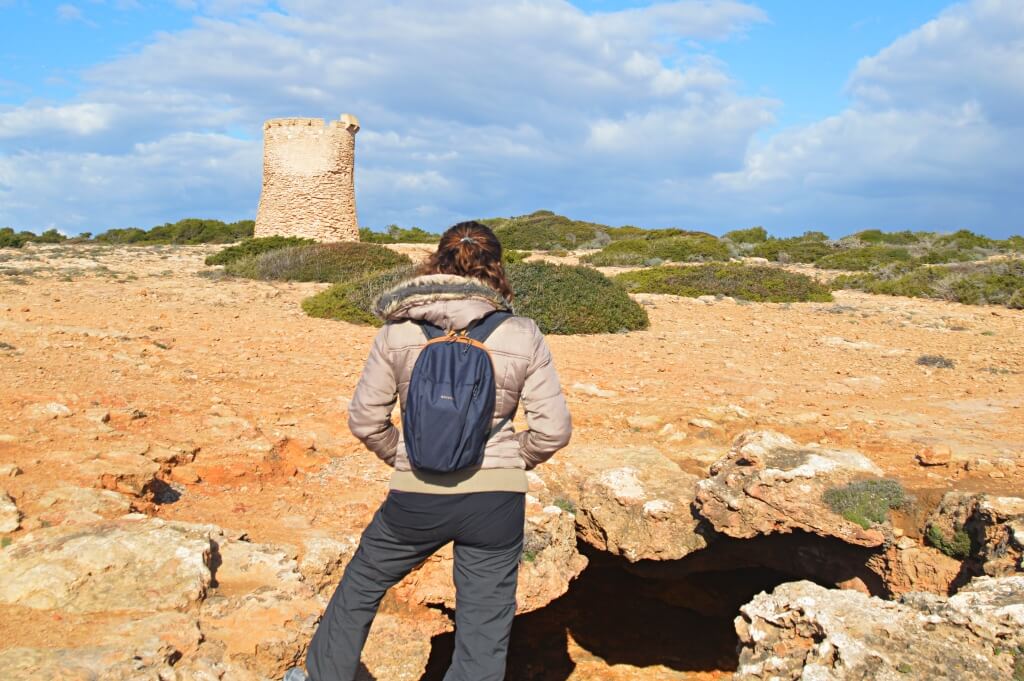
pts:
[468, 108]
[931, 140]
[69, 12]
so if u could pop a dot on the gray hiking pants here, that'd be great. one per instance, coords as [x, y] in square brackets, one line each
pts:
[487, 528]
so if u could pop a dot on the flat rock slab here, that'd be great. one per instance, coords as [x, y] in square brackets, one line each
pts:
[134, 650]
[135, 563]
[10, 516]
[767, 483]
[805, 631]
[76, 505]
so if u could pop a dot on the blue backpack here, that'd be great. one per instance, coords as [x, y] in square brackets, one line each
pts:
[446, 420]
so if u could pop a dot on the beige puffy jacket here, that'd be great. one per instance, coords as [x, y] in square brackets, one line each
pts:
[523, 371]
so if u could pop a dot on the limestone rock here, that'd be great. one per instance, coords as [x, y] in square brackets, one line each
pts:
[399, 644]
[767, 483]
[123, 471]
[9, 470]
[324, 559]
[635, 503]
[907, 567]
[135, 563]
[47, 411]
[133, 650]
[10, 516]
[72, 505]
[804, 631]
[935, 455]
[995, 525]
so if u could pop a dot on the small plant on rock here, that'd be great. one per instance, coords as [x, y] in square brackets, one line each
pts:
[959, 546]
[866, 502]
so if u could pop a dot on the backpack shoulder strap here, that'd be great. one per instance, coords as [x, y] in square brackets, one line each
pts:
[481, 329]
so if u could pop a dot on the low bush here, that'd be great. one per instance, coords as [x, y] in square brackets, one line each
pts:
[568, 299]
[353, 301]
[11, 239]
[744, 282]
[545, 231]
[935, 361]
[182, 232]
[963, 240]
[339, 262]
[626, 232]
[562, 299]
[865, 502]
[796, 249]
[863, 259]
[998, 282]
[877, 236]
[754, 235]
[959, 546]
[690, 248]
[510, 256]
[252, 247]
[398, 235]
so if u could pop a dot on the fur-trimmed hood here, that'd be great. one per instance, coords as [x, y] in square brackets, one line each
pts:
[445, 300]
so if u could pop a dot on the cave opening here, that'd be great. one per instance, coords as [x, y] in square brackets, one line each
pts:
[665, 619]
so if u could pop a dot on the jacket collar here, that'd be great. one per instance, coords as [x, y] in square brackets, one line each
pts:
[446, 300]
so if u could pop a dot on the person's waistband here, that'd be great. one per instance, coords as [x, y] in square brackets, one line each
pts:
[459, 482]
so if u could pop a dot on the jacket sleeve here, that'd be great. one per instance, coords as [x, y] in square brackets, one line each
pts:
[549, 425]
[369, 412]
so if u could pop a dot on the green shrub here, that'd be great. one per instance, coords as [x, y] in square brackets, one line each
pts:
[936, 361]
[796, 249]
[11, 239]
[568, 299]
[983, 283]
[545, 231]
[182, 232]
[958, 547]
[863, 259]
[510, 256]
[398, 235]
[252, 247]
[339, 262]
[754, 235]
[941, 256]
[675, 231]
[963, 240]
[626, 232]
[1014, 243]
[744, 282]
[877, 236]
[353, 301]
[645, 251]
[865, 502]
[562, 299]
[50, 236]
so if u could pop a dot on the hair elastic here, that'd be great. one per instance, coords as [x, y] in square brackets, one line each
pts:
[467, 240]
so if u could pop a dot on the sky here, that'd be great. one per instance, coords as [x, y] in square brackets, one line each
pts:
[700, 114]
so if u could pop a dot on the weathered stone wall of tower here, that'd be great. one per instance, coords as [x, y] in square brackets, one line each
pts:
[308, 179]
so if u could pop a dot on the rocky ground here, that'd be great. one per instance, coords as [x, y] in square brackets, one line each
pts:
[179, 492]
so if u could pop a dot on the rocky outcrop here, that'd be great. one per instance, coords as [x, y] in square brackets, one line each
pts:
[994, 526]
[10, 516]
[74, 505]
[634, 503]
[135, 563]
[804, 631]
[769, 484]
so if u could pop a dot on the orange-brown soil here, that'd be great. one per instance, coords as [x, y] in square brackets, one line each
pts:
[181, 358]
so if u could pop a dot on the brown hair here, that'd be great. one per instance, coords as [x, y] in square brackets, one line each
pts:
[470, 249]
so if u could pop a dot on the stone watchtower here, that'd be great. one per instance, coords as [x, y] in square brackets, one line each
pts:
[308, 179]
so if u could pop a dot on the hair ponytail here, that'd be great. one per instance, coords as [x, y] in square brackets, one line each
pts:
[470, 249]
